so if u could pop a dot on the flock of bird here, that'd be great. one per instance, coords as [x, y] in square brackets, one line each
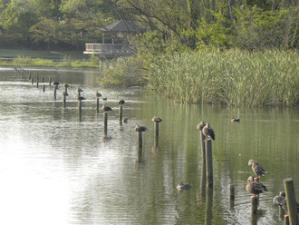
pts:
[254, 185]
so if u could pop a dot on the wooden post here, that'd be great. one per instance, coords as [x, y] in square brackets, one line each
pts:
[156, 121]
[44, 88]
[121, 114]
[37, 80]
[203, 151]
[55, 91]
[50, 81]
[286, 220]
[291, 200]
[98, 104]
[140, 130]
[105, 124]
[43, 79]
[64, 99]
[232, 194]
[32, 81]
[254, 204]
[209, 161]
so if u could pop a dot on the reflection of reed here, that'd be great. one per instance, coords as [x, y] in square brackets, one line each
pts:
[209, 206]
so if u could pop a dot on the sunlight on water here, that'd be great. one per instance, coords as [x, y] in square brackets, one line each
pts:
[57, 168]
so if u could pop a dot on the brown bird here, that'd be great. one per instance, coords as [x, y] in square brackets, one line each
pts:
[156, 119]
[255, 187]
[106, 108]
[257, 169]
[208, 132]
[140, 128]
[121, 102]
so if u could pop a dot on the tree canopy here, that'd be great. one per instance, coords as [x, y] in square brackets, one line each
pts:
[248, 24]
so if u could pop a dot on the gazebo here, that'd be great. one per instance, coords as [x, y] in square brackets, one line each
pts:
[115, 40]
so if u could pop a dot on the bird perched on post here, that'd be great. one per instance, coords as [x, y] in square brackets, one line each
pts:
[98, 94]
[208, 132]
[200, 125]
[254, 186]
[257, 169]
[106, 108]
[80, 98]
[140, 128]
[56, 83]
[121, 102]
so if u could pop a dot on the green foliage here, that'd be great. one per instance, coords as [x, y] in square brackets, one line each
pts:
[123, 73]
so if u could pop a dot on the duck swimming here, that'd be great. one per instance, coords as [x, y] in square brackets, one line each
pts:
[181, 186]
[257, 169]
[235, 119]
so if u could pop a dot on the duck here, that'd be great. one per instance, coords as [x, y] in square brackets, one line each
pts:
[200, 125]
[254, 187]
[257, 169]
[208, 132]
[156, 119]
[80, 98]
[121, 102]
[106, 108]
[126, 120]
[280, 199]
[181, 186]
[235, 119]
[98, 94]
[140, 128]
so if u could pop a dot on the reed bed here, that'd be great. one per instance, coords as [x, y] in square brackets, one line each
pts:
[232, 77]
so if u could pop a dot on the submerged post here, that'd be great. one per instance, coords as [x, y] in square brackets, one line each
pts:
[291, 200]
[156, 121]
[232, 194]
[44, 88]
[121, 103]
[106, 109]
[140, 130]
[56, 83]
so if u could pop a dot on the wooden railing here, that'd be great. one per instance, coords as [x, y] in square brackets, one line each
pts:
[108, 50]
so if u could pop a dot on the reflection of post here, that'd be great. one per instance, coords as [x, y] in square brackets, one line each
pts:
[232, 195]
[209, 207]
[209, 160]
[291, 200]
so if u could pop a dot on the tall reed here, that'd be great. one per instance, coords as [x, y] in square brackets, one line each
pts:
[232, 77]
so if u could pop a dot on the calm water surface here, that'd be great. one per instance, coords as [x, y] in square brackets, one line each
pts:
[56, 168]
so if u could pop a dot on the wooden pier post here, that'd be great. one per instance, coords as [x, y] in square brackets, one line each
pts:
[286, 220]
[106, 109]
[64, 98]
[98, 95]
[291, 200]
[254, 204]
[140, 130]
[50, 81]
[32, 80]
[156, 121]
[44, 88]
[66, 86]
[203, 151]
[209, 161]
[121, 103]
[55, 91]
[37, 81]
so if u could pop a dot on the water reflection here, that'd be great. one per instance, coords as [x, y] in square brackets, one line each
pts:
[56, 168]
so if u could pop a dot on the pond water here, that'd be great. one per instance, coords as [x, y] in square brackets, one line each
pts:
[56, 167]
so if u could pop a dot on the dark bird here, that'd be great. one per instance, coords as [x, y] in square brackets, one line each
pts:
[79, 90]
[181, 186]
[106, 108]
[200, 125]
[140, 128]
[98, 94]
[105, 98]
[257, 169]
[121, 102]
[125, 120]
[56, 82]
[208, 132]
[66, 85]
[235, 119]
[80, 98]
[156, 119]
[254, 187]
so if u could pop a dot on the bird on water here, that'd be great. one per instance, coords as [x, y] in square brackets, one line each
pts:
[181, 186]
[257, 169]
[235, 119]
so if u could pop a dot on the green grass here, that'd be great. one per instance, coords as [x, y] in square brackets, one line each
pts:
[232, 78]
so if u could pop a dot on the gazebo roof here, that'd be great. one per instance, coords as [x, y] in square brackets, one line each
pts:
[122, 26]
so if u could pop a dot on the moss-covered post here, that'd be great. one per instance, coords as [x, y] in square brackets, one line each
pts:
[291, 200]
